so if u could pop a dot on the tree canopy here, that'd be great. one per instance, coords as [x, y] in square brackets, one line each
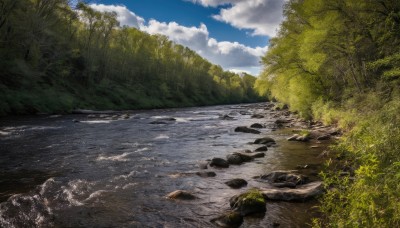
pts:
[54, 58]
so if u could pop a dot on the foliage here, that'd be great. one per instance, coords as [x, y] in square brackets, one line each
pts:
[338, 61]
[83, 57]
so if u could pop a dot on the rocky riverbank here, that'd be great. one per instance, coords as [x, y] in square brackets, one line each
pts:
[280, 185]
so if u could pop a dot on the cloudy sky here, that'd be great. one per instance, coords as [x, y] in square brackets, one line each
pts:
[230, 33]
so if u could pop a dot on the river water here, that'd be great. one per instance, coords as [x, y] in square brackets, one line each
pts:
[98, 172]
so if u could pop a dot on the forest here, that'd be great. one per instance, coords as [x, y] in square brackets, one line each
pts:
[338, 61]
[55, 59]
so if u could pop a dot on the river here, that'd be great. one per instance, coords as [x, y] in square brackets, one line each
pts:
[77, 171]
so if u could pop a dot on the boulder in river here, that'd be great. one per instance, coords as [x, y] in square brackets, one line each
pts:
[246, 130]
[257, 125]
[264, 140]
[300, 193]
[226, 117]
[236, 183]
[250, 202]
[238, 158]
[257, 116]
[158, 122]
[206, 174]
[285, 179]
[263, 148]
[231, 219]
[181, 195]
[219, 162]
[234, 159]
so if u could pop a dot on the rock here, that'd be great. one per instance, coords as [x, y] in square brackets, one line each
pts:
[234, 159]
[181, 195]
[264, 140]
[230, 219]
[163, 120]
[246, 130]
[263, 148]
[285, 107]
[300, 193]
[236, 183]
[283, 177]
[238, 158]
[226, 117]
[324, 137]
[206, 174]
[284, 185]
[293, 137]
[75, 121]
[244, 113]
[250, 202]
[247, 151]
[299, 138]
[244, 157]
[158, 122]
[219, 162]
[303, 138]
[258, 155]
[257, 116]
[282, 121]
[257, 125]
[125, 116]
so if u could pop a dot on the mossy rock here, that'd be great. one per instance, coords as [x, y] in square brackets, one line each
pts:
[230, 219]
[250, 202]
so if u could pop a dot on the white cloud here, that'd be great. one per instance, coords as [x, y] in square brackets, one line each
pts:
[227, 54]
[124, 15]
[214, 3]
[261, 16]
[230, 55]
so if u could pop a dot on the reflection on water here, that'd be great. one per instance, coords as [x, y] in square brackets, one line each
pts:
[76, 171]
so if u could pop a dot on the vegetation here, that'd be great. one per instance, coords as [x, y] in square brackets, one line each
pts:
[55, 59]
[339, 61]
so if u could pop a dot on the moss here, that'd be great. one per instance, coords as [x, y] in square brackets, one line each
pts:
[304, 133]
[250, 202]
[253, 195]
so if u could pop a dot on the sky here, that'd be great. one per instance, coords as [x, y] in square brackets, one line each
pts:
[231, 33]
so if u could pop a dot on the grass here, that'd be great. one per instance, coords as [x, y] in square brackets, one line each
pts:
[371, 152]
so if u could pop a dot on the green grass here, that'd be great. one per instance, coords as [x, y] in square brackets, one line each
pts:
[371, 150]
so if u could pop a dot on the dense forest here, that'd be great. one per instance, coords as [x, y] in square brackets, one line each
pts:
[55, 59]
[338, 61]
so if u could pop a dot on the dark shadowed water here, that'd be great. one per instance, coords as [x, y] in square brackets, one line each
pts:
[55, 172]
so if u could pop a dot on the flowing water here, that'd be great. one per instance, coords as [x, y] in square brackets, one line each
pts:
[99, 172]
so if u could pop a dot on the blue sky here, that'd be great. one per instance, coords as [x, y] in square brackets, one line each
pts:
[230, 33]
